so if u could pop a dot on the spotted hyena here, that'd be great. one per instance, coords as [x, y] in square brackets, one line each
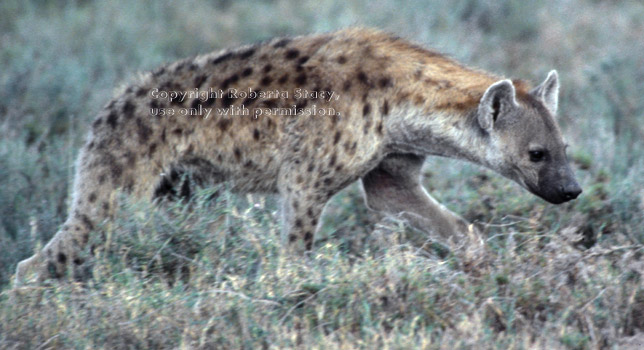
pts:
[306, 116]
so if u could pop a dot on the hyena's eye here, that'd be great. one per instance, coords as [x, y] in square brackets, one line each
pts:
[537, 155]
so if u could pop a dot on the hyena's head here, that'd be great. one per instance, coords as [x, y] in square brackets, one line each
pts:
[525, 143]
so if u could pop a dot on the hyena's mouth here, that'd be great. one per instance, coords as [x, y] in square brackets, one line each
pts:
[560, 196]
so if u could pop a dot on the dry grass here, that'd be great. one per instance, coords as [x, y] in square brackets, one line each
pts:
[219, 280]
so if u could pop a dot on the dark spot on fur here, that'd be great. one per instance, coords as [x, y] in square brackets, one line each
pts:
[266, 81]
[92, 197]
[282, 42]
[199, 80]
[342, 59]
[251, 98]
[159, 71]
[384, 82]
[310, 213]
[366, 109]
[163, 138]
[298, 223]
[128, 108]
[302, 103]
[155, 104]
[336, 137]
[117, 172]
[101, 179]
[247, 53]
[195, 103]
[332, 160]
[347, 85]
[362, 77]
[379, 128]
[210, 101]
[62, 258]
[302, 60]
[106, 206]
[311, 167]
[267, 68]
[130, 159]
[78, 261]
[112, 119]
[301, 79]
[256, 134]
[385, 108]
[237, 153]
[180, 66]
[140, 92]
[292, 238]
[308, 239]
[230, 80]
[86, 221]
[283, 79]
[270, 103]
[227, 100]
[143, 131]
[291, 54]
[418, 74]
[246, 72]
[222, 58]
[177, 131]
[350, 149]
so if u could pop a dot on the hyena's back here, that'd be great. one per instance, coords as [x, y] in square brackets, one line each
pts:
[131, 149]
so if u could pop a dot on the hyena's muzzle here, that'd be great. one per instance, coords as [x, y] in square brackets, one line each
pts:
[556, 185]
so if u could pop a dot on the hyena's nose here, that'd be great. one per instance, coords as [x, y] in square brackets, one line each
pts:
[570, 191]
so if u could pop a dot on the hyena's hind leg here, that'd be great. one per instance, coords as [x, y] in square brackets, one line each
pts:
[99, 174]
[393, 187]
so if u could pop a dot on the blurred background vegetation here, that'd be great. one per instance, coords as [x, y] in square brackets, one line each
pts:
[60, 61]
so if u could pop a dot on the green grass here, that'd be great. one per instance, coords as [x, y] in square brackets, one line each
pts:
[213, 274]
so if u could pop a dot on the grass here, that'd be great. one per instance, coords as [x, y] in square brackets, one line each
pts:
[213, 274]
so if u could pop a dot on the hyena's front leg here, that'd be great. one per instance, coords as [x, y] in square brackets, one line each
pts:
[304, 196]
[393, 187]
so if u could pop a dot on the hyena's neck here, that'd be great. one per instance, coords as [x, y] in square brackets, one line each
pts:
[433, 111]
[440, 133]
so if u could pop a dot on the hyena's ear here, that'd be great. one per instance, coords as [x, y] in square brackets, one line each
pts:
[498, 99]
[548, 92]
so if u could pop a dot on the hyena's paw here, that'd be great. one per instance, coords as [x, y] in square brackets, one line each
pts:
[27, 266]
